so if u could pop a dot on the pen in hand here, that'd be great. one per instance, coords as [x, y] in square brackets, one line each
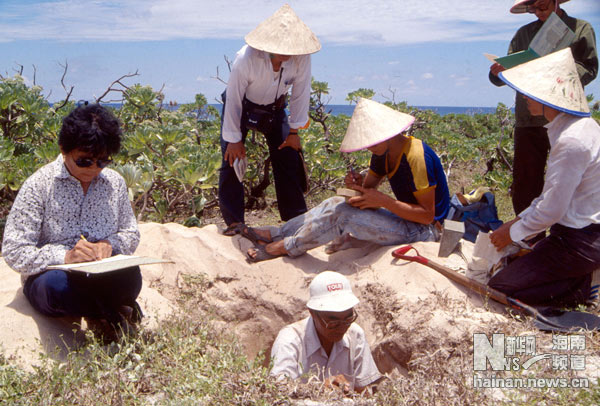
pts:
[355, 177]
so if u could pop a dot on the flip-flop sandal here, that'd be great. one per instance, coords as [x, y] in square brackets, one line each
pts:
[232, 229]
[250, 234]
[261, 254]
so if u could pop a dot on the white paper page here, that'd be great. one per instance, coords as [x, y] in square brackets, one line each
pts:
[553, 36]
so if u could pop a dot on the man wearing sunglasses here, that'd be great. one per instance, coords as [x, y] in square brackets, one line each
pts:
[327, 343]
[530, 135]
[76, 210]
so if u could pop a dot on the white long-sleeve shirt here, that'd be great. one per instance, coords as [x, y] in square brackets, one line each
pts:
[571, 194]
[252, 75]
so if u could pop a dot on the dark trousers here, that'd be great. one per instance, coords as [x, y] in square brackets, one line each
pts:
[557, 272]
[59, 293]
[286, 165]
[529, 166]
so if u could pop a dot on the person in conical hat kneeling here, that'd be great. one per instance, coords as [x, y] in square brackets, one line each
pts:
[531, 144]
[275, 59]
[416, 176]
[559, 269]
[327, 343]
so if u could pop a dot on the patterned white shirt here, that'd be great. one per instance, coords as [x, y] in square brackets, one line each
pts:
[252, 75]
[51, 213]
[570, 196]
[297, 350]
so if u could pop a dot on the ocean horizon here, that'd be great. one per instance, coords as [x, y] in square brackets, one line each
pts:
[337, 109]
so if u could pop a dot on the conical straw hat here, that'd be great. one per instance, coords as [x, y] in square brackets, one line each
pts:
[551, 80]
[373, 123]
[283, 33]
[520, 7]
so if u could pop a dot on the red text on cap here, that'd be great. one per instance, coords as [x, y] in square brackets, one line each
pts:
[334, 286]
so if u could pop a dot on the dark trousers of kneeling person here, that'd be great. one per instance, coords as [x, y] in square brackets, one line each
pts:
[286, 164]
[558, 272]
[59, 293]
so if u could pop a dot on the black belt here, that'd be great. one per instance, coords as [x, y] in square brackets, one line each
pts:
[278, 105]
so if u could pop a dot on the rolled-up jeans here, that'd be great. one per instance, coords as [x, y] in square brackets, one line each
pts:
[59, 293]
[334, 217]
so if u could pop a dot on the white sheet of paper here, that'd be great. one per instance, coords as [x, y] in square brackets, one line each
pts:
[492, 58]
[240, 166]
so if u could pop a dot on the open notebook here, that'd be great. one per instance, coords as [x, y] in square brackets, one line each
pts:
[553, 36]
[109, 264]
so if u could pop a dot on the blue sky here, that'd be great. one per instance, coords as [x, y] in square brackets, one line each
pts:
[425, 52]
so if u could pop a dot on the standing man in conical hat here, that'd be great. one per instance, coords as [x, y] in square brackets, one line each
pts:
[559, 269]
[275, 59]
[421, 198]
[530, 136]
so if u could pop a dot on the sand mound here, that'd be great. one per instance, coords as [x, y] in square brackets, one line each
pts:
[405, 307]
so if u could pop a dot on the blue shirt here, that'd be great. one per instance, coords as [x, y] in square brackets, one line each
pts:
[417, 171]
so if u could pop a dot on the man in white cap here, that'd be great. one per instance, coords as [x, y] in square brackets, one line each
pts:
[275, 59]
[530, 136]
[327, 343]
[559, 269]
[417, 179]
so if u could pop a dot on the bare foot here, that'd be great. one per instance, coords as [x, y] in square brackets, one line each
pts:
[275, 249]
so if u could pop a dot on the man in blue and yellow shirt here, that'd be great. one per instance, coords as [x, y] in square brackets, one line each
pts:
[416, 177]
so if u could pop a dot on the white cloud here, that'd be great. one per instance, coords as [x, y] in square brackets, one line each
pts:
[427, 75]
[335, 21]
[459, 80]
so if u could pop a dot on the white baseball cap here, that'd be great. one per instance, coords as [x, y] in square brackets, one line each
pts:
[331, 292]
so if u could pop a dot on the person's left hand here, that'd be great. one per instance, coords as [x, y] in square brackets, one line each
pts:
[501, 237]
[370, 198]
[338, 381]
[292, 141]
[103, 249]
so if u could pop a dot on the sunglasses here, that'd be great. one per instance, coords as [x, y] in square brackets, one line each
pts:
[87, 162]
[333, 324]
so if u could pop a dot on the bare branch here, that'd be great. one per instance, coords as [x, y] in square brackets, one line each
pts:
[393, 98]
[62, 82]
[228, 62]
[111, 87]
[34, 73]
[20, 71]
[218, 77]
